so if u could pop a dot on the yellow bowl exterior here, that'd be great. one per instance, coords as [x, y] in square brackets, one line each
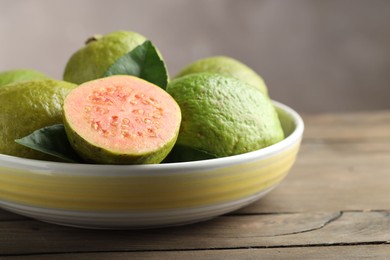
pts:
[145, 192]
[134, 196]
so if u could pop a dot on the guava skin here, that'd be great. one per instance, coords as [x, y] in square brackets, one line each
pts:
[92, 61]
[18, 75]
[226, 66]
[223, 116]
[97, 155]
[28, 106]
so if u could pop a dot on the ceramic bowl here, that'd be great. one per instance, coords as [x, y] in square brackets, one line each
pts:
[146, 196]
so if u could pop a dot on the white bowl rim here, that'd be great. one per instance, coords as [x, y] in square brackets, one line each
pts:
[61, 168]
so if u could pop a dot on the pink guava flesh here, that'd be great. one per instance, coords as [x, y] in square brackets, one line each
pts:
[123, 115]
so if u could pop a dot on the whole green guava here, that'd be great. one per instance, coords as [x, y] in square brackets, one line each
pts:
[223, 116]
[17, 75]
[28, 106]
[226, 66]
[100, 52]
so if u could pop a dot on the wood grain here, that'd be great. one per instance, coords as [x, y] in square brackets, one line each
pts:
[335, 201]
[348, 126]
[228, 232]
[295, 253]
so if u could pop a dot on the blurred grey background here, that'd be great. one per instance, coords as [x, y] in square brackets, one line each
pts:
[315, 55]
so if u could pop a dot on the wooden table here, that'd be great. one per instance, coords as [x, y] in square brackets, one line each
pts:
[335, 203]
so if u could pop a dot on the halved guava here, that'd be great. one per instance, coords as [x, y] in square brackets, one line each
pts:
[121, 120]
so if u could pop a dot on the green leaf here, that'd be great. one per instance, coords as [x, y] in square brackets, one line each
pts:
[181, 153]
[143, 62]
[51, 140]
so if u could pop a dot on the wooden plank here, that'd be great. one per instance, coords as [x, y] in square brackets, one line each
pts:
[228, 232]
[298, 253]
[347, 126]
